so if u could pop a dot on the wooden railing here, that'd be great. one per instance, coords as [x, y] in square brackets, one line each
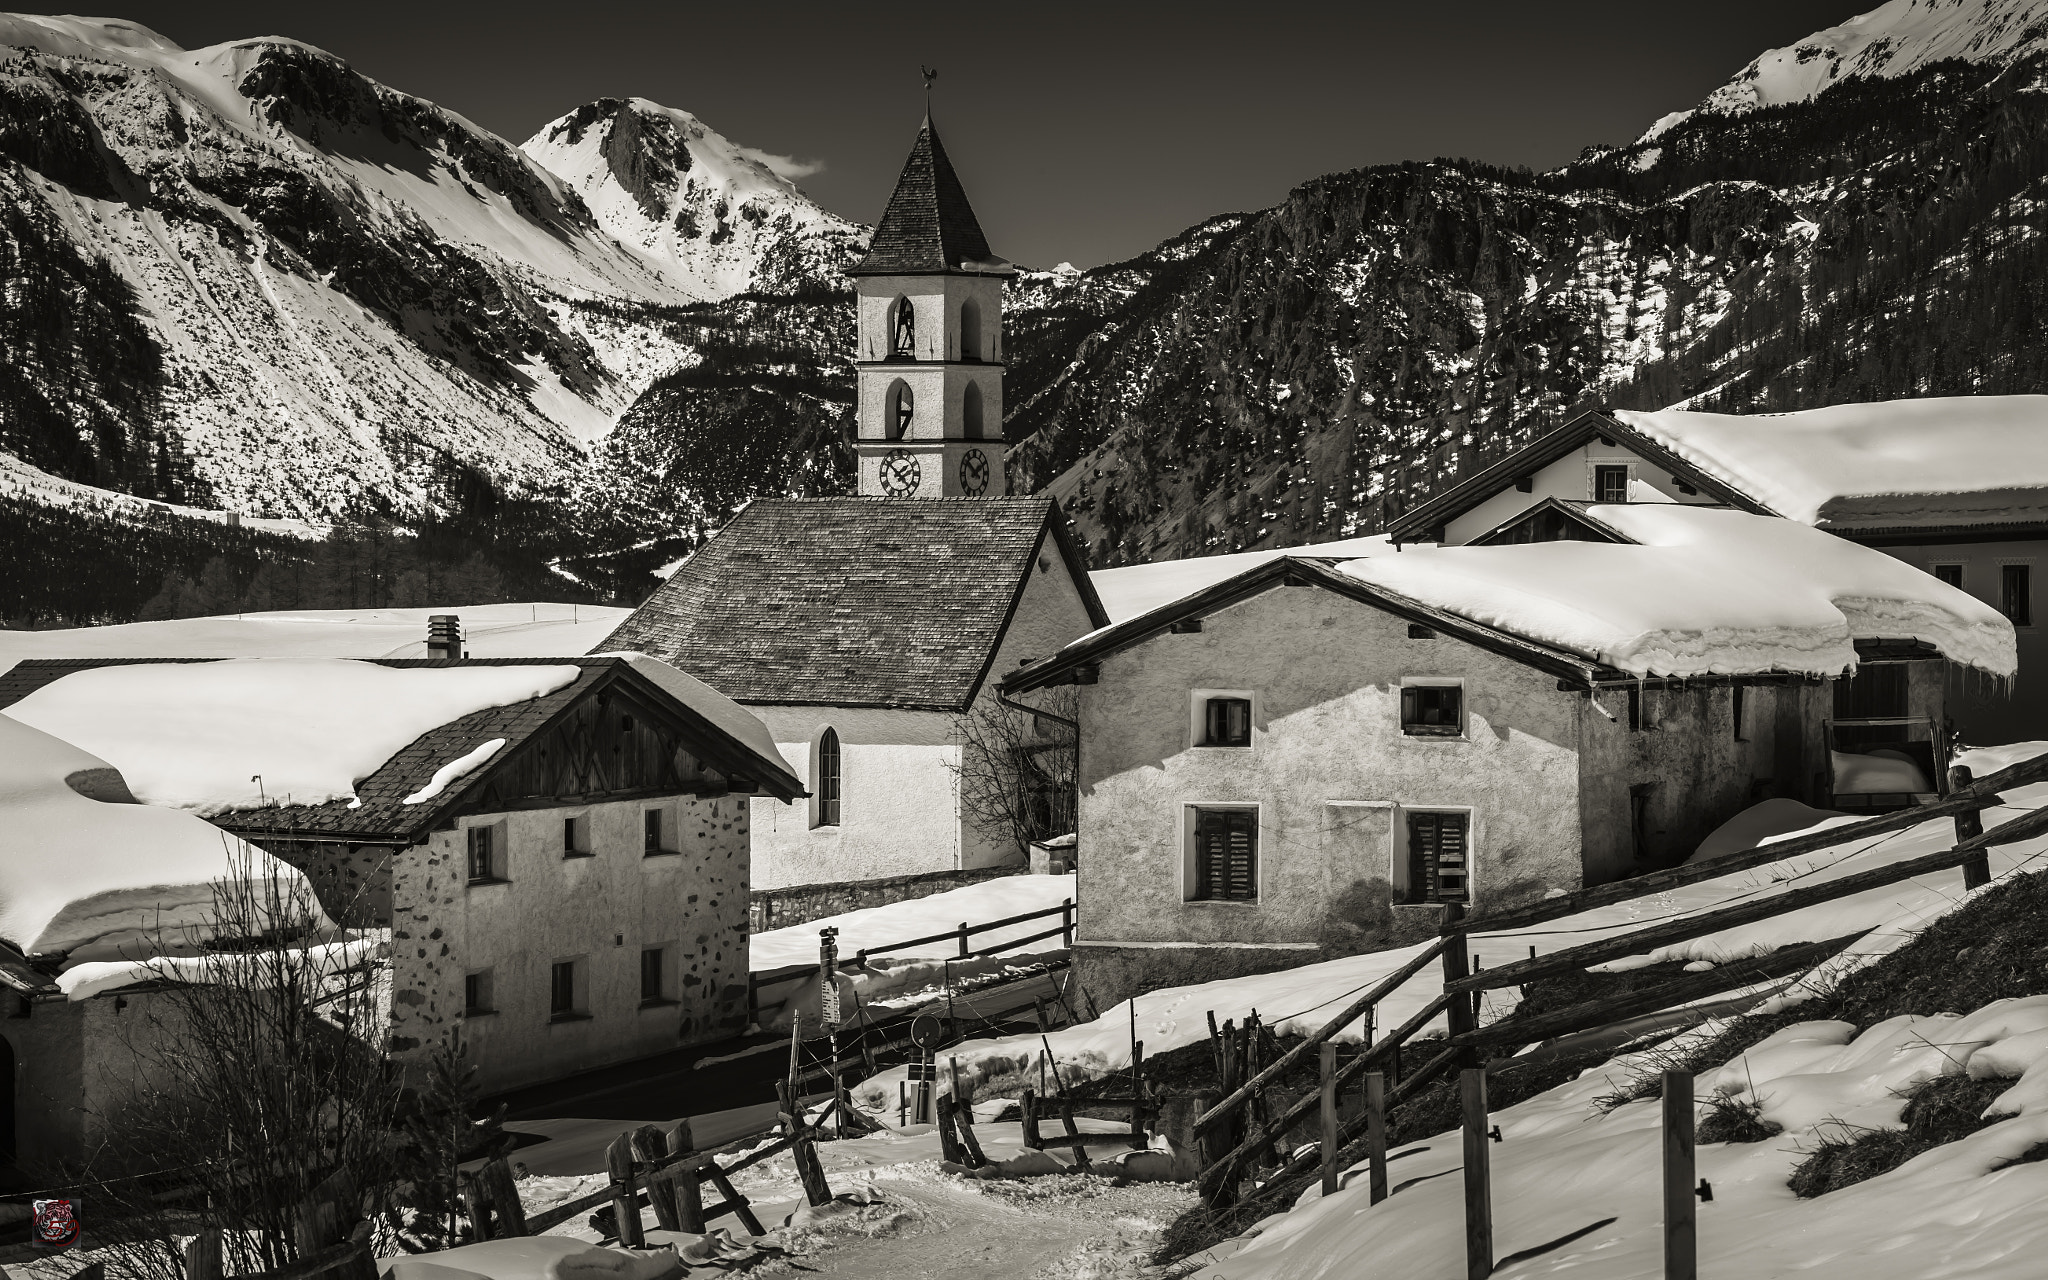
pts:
[1229, 1142]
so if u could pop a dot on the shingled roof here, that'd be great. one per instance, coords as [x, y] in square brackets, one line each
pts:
[381, 814]
[929, 228]
[853, 602]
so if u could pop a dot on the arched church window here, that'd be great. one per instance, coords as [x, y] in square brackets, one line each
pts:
[905, 341]
[970, 330]
[970, 411]
[825, 781]
[900, 409]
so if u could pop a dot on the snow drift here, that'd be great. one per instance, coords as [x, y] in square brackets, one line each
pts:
[76, 871]
[217, 737]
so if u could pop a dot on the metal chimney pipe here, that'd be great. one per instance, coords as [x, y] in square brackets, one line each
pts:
[444, 636]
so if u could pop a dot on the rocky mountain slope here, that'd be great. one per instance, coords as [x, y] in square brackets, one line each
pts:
[1300, 373]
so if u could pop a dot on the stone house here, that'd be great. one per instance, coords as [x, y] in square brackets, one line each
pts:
[578, 898]
[1955, 486]
[863, 629]
[1311, 757]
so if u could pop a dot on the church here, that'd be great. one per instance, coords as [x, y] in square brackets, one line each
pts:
[864, 629]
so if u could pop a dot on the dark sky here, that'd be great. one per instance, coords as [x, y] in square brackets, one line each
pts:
[1084, 132]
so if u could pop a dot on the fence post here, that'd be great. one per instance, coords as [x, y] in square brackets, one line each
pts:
[1456, 968]
[1478, 1160]
[1376, 1132]
[965, 950]
[202, 1256]
[689, 1201]
[1681, 1226]
[1067, 923]
[949, 1141]
[618, 1160]
[651, 1144]
[1140, 1107]
[1027, 1114]
[1327, 1140]
[1977, 871]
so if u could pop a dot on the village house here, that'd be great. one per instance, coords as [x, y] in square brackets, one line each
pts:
[864, 629]
[558, 847]
[1311, 756]
[1957, 487]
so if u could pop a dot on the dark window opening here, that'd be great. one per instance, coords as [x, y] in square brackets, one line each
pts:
[481, 864]
[476, 993]
[1433, 711]
[1527, 484]
[1439, 858]
[904, 343]
[1639, 820]
[1635, 709]
[576, 838]
[1226, 855]
[650, 977]
[1227, 722]
[1952, 574]
[562, 990]
[651, 829]
[2016, 593]
[1610, 484]
[1877, 691]
[1736, 708]
[829, 780]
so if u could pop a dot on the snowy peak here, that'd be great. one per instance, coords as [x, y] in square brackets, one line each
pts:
[1891, 40]
[716, 217]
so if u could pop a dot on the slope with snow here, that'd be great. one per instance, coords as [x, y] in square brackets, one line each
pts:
[1890, 40]
[716, 217]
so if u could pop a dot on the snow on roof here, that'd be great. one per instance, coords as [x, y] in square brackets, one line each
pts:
[216, 737]
[1943, 460]
[1141, 588]
[75, 871]
[540, 629]
[1707, 591]
[729, 716]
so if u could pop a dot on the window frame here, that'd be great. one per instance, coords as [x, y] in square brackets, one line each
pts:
[2025, 565]
[1198, 718]
[828, 797]
[656, 822]
[576, 837]
[1192, 812]
[578, 1006]
[479, 992]
[1434, 733]
[1962, 574]
[664, 980]
[1628, 475]
[1401, 872]
[496, 856]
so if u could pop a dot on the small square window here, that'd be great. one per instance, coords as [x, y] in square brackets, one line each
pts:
[486, 859]
[1610, 484]
[476, 994]
[2016, 593]
[1223, 855]
[1227, 722]
[1952, 574]
[1433, 710]
[576, 837]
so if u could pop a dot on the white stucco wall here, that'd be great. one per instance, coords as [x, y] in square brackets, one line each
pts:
[1329, 768]
[936, 301]
[603, 909]
[1569, 479]
[1985, 710]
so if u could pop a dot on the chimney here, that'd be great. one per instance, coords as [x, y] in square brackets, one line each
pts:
[444, 636]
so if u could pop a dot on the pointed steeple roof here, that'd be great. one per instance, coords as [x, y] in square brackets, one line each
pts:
[929, 228]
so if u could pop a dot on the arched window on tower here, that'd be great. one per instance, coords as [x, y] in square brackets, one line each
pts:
[970, 411]
[825, 778]
[898, 411]
[904, 323]
[970, 330]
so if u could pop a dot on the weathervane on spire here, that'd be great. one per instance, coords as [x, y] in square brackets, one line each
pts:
[930, 74]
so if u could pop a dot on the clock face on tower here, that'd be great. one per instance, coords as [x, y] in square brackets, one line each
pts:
[974, 473]
[900, 474]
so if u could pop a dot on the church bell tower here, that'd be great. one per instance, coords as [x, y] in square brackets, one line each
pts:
[930, 346]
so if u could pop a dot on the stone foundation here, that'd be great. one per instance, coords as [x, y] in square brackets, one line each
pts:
[803, 903]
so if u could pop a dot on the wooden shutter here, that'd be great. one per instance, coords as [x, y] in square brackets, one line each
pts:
[1227, 855]
[1439, 858]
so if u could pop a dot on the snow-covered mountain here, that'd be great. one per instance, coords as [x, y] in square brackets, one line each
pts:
[717, 217]
[1889, 41]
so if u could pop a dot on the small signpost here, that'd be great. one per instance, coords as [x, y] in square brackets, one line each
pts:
[828, 978]
[926, 1032]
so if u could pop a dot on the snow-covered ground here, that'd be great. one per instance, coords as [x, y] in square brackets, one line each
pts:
[535, 630]
[1300, 1000]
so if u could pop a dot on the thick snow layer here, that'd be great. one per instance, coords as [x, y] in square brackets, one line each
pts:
[215, 737]
[1778, 816]
[75, 870]
[1140, 588]
[1706, 591]
[238, 968]
[871, 927]
[1302, 999]
[537, 630]
[1890, 40]
[735, 720]
[1948, 460]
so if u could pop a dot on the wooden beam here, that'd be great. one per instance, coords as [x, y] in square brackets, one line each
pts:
[1596, 1013]
[1697, 926]
[1982, 794]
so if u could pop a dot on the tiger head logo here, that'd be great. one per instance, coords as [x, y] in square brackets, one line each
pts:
[56, 1223]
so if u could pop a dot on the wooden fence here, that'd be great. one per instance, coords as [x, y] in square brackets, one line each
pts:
[1237, 1135]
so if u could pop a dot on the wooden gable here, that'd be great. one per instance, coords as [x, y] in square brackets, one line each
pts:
[610, 744]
